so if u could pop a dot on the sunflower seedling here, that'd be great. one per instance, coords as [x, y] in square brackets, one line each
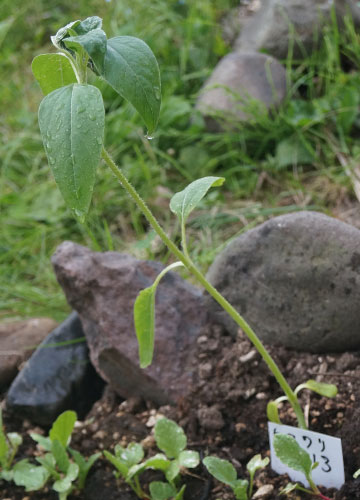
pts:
[294, 456]
[225, 472]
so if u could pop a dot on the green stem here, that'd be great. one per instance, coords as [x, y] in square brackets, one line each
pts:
[209, 288]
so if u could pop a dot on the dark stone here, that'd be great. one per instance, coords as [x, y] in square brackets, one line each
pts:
[56, 377]
[296, 280]
[102, 288]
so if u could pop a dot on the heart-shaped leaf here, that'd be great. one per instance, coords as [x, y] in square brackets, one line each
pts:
[52, 71]
[94, 43]
[71, 122]
[184, 202]
[256, 463]
[132, 70]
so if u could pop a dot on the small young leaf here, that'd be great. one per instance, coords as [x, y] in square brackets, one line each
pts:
[63, 427]
[71, 122]
[4, 450]
[7, 475]
[144, 320]
[169, 437]
[132, 70]
[289, 488]
[272, 412]
[356, 474]
[60, 455]
[161, 491]
[117, 463]
[62, 33]
[31, 477]
[131, 455]
[184, 202]
[327, 390]
[291, 454]
[94, 43]
[84, 465]
[48, 461]
[173, 471]
[222, 470]
[157, 462]
[44, 442]
[180, 494]
[15, 439]
[88, 24]
[52, 71]
[256, 463]
[65, 484]
[240, 489]
[189, 459]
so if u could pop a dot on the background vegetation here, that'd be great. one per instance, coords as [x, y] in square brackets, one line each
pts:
[297, 157]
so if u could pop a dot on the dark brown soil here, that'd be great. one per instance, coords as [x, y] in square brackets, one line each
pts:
[225, 415]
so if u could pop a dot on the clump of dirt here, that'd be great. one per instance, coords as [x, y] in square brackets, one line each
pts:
[225, 415]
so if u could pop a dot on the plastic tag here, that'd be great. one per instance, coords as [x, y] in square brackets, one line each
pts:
[326, 450]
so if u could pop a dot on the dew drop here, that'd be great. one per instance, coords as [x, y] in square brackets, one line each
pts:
[149, 137]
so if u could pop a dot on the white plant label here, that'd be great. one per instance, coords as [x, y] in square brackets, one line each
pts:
[326, 450]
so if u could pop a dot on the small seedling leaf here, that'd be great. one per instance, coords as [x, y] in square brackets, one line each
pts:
[7, 475]
[15, 439]
[173, 471]
[288, 488]
[161, 491]
[131, 455]
[48, 461]
[62, 33]
[44, 442]
[169, 437]
[291, 454]
[185, 201]
[327, 390]
[59, 452]
[222, 470]
[84, 465]
[93, 42]
[180, 494]
[356, 474]
[62, 427]
[31, 477]
[256, 463]
[132, 70]
[144, 320]
[240, 489]
[71, 122]
[63, 485]
[52, 71]
[189, 459]
[4, 449]
[272, 412]
[117, 463]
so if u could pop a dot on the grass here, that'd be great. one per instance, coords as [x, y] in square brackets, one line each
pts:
[275, 163]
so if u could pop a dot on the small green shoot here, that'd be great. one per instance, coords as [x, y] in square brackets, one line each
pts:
[9, 444]
[291, 454]
[171, 439]
[225, 472]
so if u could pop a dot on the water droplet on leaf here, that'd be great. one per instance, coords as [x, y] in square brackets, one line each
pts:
[149, 137]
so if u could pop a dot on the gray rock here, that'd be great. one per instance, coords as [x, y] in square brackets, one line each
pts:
[238, 80]
[56, 377]
[296, 280]
[269, 28]
[103, 287]
[18, 339]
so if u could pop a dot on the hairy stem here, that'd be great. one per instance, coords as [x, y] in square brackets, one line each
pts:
[185, 259]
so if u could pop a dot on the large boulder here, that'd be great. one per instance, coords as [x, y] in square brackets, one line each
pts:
[57, 377]
[277, 21]
[296, 280]
[102, 288]
[241, 84]
[18, 339]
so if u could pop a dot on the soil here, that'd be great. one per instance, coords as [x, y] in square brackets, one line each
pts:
[225, 415]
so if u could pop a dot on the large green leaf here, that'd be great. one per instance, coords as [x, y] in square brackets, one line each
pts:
[71, 122]
[52, 71]
[94, 43]
[31, 477]
[291, 454]
[184, 202]
[132, 70]
[169, 437]
[222, 470]
[144, 320]
[62, 427]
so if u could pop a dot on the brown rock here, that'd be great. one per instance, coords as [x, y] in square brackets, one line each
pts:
[18, 339]
[102, 288]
